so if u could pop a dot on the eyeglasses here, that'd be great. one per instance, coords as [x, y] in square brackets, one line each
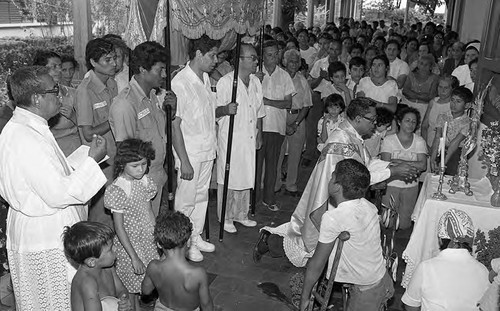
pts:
[253, 57]
[371, 120]
[55, 90]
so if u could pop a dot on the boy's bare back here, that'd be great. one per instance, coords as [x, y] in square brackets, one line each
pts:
[180, 286]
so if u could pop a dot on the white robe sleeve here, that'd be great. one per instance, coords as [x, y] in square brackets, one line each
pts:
[379, 170]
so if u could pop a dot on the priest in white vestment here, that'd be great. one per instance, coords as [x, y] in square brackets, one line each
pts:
[44, 192]
[300, 235]
[247, 137]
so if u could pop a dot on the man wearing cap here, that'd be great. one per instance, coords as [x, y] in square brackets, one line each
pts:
[453, 280]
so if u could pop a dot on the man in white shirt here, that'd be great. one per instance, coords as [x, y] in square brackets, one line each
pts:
[308, 53]
[277, 89]
[194, 139]
[453, 280]
[247, 137]
[398, 69]
[361, 262]
[44, 192]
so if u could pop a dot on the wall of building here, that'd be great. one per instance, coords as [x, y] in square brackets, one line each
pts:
[473, 19]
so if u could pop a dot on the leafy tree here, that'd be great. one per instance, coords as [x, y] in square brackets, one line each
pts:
[430, 6]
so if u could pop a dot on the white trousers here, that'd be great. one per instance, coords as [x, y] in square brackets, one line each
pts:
[191, 196]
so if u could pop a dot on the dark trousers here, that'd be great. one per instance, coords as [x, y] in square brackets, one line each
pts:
[269, 153]
[315, 113]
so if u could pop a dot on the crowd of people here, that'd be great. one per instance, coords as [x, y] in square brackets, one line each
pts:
[354, 94]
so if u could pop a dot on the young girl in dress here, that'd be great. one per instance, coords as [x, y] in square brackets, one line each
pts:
[437, 106]
[407, 146]
[334, 114]
[129, 199]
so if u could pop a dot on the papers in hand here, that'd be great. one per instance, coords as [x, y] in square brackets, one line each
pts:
[79, 155]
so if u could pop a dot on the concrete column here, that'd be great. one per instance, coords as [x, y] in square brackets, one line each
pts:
[331, 11]
[82, 32]
[310, 13]
[353, 7]
[277, 13]
[338, 11]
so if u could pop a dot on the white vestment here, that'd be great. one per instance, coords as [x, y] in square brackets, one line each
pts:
[45, 194]
[250, 108]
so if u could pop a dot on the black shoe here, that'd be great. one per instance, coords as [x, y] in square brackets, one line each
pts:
[294, 194]
[261, 247]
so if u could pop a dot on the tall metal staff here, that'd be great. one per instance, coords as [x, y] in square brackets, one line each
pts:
[168, 112]
[230, 137]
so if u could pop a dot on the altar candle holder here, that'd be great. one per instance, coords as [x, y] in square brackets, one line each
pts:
[460, 182]
[439, 195]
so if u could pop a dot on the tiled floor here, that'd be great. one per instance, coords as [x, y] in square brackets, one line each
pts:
[234, 277]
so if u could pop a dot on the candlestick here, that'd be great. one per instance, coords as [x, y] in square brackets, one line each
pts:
[443, 143]
[438, 195]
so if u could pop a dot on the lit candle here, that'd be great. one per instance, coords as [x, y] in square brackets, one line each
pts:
[443, 144]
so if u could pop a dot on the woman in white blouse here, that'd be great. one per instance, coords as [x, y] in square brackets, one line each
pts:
[378, 86]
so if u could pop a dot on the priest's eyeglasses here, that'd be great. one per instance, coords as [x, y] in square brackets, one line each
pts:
[54, 91]
[371, 120]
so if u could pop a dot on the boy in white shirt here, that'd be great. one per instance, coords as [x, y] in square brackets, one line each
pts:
[361, 262]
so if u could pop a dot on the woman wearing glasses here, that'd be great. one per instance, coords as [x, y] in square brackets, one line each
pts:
[63, 125]
[378, 86]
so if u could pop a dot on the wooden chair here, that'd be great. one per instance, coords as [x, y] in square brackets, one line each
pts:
[321, 292]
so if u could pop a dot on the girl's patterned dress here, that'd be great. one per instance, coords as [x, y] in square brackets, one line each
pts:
[133, 199]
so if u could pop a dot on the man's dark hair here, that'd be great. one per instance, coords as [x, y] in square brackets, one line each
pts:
[132, 150]
[69, 59]
[359, 107]
[85, 239]
[354, 178]
[393, 42]
[358, 62]
[379, 38]
[96, 49]
[464, 93]
[42, 57]
[358, 47]
[26, 82]
[112, 35]
[384, 116]
[326, 36]
[146, 55]
[119, 44]
[335, 67]
[301, 31]
[172, 230]
[203, 44]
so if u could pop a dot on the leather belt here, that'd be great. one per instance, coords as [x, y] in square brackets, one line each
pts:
[293, 111]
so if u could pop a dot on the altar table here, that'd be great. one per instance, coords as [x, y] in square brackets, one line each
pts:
[423, 242]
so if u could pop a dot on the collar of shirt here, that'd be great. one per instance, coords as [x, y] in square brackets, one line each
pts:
[194, 77]
[134, 85]
[347, 126]
[350, 203]
[96, 84]
[29, 118]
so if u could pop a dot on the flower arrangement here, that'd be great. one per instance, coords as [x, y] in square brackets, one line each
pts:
[490, 144]
[487, 248]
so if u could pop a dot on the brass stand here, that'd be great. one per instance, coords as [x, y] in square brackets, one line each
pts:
[460, 182]
[439, 194]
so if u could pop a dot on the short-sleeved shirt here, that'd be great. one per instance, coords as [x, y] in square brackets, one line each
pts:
[302, 98]
[93, 99]
[392, 145]
[397, 68]
[320, 64]
[451, 281]
[456, 126]
[276, 86]
[135, 115]
[379, 93]
[196, 108]
[309, 55]
[361, 260]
